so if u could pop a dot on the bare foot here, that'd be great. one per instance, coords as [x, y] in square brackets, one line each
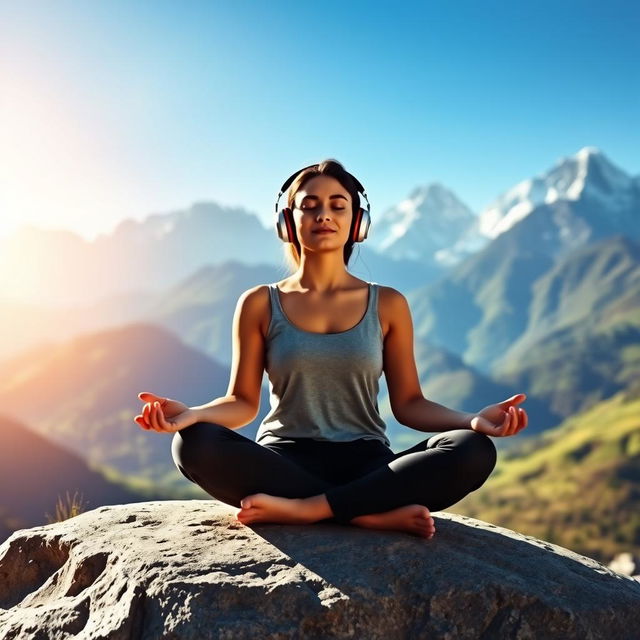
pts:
[262, 507]
[412, 518]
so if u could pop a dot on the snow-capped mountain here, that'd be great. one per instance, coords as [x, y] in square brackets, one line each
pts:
[431, 219]
[588, 176]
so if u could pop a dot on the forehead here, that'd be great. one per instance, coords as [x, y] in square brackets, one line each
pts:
[321, 186]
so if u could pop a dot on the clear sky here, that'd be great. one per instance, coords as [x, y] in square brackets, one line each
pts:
[125, 108]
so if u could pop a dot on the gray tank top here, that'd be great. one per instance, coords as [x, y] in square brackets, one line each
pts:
[323, 386]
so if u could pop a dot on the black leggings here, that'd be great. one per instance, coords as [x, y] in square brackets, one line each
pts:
[358, 477]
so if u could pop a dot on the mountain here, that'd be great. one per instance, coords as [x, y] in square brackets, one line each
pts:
[580, 326]
[573, 368]
[581, 342]
[200, 308]
[611, 198]
[82, 395]
[595, 286]
[31, 325]
[36, 474]
[423, 226]
[577, 485]
[588, 175]
[149, 255]
[59, 269]
[481, 306]
[447, 380]
[67, 300]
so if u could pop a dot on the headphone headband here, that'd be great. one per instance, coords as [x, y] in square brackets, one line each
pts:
[292, 177]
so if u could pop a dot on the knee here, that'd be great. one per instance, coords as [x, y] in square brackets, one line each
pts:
[196, 444]
[478, 452]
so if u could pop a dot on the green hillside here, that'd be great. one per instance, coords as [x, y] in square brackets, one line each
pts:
[573, 368]
[576, 485]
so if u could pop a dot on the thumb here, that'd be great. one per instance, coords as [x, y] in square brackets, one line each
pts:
[519, 397]
[147, 396]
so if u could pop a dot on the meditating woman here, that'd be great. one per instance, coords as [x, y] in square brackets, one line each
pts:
[325, 337]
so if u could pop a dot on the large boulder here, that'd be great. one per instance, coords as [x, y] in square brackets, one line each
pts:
[190, 569]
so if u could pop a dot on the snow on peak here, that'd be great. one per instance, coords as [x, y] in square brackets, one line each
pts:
[429, 219]
[588, 173]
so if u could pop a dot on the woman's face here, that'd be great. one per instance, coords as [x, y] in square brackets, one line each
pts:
[322, 202]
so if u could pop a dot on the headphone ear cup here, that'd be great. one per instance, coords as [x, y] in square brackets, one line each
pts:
[361, 225]
[285, 226]
[286, 229]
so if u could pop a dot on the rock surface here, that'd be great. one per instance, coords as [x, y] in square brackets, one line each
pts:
[189, 569]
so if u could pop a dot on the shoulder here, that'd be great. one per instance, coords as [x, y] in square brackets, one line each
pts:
[256, 302]
[394, 309]
[254, 296]
[391, 298]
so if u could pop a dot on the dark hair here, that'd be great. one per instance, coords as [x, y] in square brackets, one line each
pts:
[329, 167]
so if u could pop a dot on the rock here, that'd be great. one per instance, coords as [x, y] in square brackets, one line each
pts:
[189, 569]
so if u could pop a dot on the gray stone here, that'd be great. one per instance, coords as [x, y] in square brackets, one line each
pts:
[189, 569]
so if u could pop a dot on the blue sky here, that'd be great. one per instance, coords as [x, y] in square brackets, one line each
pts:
[125, 108]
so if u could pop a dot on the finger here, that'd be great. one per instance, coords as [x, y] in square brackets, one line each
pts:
[508, 430]
[154, 417]
[514, 420]
[162, 423]
[149, 411]
[146, 412]
[507, 424]
[140, 422]
[159, 416]
[523, 418]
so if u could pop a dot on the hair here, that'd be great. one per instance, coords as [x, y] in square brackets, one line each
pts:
[329, 167]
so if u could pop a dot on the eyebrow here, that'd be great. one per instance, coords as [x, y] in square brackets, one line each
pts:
[335, 195]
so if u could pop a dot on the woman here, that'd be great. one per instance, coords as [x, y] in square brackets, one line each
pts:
[325, 337]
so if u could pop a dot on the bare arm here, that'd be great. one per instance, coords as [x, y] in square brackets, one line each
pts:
[229, 411]
[241, 403]
[408, 403]
[425, 415]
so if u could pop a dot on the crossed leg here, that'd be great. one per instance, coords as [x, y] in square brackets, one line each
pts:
[395, 493]
[231, 467]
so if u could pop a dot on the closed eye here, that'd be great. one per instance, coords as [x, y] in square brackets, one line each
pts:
[334, 208]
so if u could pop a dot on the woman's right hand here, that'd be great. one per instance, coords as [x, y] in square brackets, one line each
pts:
[163, 414]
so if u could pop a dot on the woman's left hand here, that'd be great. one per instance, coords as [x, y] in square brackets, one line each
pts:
[501, 419]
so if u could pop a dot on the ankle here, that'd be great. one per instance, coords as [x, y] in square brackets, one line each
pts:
[317, 507]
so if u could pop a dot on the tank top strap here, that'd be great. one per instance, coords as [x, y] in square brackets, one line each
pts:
[371, 316]
[277, 316]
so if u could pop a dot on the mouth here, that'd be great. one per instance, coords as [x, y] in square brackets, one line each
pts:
[325, 231]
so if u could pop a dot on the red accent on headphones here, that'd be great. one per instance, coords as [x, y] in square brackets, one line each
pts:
[285, 224]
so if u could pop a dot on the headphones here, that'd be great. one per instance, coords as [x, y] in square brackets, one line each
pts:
[285, 224]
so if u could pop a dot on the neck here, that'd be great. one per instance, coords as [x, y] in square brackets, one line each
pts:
[322, 272]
